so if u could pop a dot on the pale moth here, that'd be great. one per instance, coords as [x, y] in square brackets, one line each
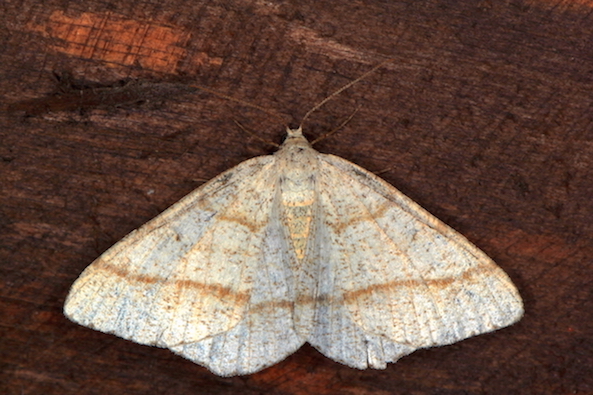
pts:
[290, 248]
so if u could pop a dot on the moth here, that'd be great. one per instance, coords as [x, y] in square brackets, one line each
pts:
[289, 248]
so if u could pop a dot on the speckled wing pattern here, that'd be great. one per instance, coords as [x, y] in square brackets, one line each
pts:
[291, 248]
[397, 278]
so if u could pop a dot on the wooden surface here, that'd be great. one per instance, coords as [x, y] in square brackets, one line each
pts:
[485, 118]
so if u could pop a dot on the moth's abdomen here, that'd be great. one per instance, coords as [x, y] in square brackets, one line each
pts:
[298, 198]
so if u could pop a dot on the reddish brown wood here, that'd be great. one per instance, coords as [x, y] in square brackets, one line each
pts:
[484, 118]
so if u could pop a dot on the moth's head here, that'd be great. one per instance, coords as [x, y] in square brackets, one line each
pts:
[295, 138]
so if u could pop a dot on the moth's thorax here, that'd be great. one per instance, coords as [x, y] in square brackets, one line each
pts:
[297, 162]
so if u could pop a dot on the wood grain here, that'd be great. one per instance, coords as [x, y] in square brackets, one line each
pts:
[485, 119]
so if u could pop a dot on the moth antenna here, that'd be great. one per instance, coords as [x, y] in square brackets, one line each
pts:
[326, 135]
[256, 136]
[348, 85]
[243, 102]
